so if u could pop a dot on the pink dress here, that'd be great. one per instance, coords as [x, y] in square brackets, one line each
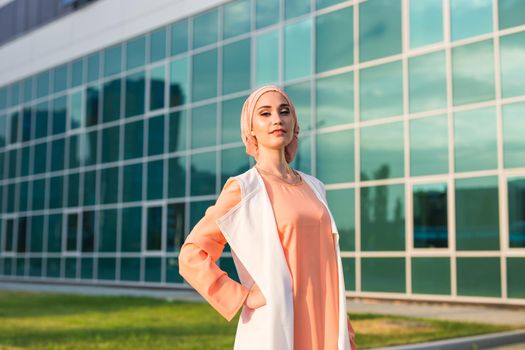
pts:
[304, 228]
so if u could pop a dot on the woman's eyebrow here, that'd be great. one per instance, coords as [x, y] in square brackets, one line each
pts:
[281, 105]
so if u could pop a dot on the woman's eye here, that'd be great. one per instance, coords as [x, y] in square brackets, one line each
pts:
[285, 111]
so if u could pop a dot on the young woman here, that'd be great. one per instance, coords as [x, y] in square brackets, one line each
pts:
[283, 239]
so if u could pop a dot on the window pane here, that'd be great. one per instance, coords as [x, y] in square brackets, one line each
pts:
[90, 184]
[383, 218]
[516, 203]
[470, 18]
[179, 37]
[294, 8]
[267, 12]
[375, 43]
[477, 226]
[431, 275]
[203, 174]
[297, 50]
[473, 72]
[131, 229]
[267, 58]
[72, 190]
[136, 52]
[335, 156]
[135, 89]
[56, 193]
[234, 161]
[475, 139]
[237, 18]
[88, 147]
[107, 241]
[60, 78]
[28, 89]
[430, 215]
[152, 269]
[512, 72]
[155, 179]
[381, 91]
[511, 13]
[27, 123]
[179, 90]
[156, 135]
[42, 84]
[175, 227]
[513, 142]
[93, 69]
[109, 188]
[231, 111]
[177, 177]
[303, 158]
[479, 277]
[342, 206]
[92, 101]
[383, 275]
[113, 60]
[205, 28]
[72, 232]
[429, 146]
[59, 110]
[156, 89]
[41, 120]
[515, 281]
[133, 139]
[76, 110]
[204, 75]
[106, 269]
[334, 40]
[130, 269]
[40, 158]
[37, 233]
[86, 268]
[301, 97]
[236, 67]
[71, 268]
[335, 100]
[203, 126]
[178, 132]
[132, 187]
[110, 144]
[172, 270]
[427, 82]
[382, 152]
[325, 3]
[77, 72]
[157, 45]
[111, 107]
[54, 233]
[426, 22]
[154, 226]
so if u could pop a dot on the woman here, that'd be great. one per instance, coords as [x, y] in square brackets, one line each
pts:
[283, 241]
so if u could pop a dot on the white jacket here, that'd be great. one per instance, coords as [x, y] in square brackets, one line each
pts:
[251, 231]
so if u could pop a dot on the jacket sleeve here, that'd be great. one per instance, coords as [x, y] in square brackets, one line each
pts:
[202, 248]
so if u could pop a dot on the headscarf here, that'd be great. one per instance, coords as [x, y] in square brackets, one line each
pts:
[246, 123]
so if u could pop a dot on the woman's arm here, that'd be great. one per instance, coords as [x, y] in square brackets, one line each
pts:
[202, 248]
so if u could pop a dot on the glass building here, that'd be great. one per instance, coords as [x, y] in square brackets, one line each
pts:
[412, 112]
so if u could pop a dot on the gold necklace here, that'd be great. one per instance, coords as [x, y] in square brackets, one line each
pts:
[288, 169]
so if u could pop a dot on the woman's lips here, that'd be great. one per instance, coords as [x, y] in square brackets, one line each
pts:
[278, 132]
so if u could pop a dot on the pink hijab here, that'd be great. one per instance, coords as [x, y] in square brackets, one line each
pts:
[246, 123]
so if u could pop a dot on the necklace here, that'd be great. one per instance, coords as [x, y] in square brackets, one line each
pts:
[288, 169]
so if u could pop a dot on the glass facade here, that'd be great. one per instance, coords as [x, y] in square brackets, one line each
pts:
[108, 161]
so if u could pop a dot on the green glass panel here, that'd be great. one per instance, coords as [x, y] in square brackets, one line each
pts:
[349, 273]
[109, 185]
[430, 215]
[154, 228]
[53, 267]
[157, 45]
[429, 146]
[77, 72]
[131, 229]
[204, 84]
[383, 275]
[203, 174]
[28, 89]
[93, 66]
[301, 97]
[267, 58]
[42, 84]
[178, 131]
[382, 151]
[175, 226]
[92, 102]
[479, 277]
[477, 226]
[236, 67]
[59, 112]
[136, 52]
[431, 275]
[379, 29]
[334, 41]
[342, 207]
[86, 268]
[113, 60]
[88, 147]
[132, 186]
[516, 204]
[177, 177]
[383, 218]
[179, 89]
[335, 156]
[106, 269]
[427, 82]
[172, 270]
[73, 189]
[40, 156]
[157, 78]
[179, 37]
[237, 18]
[515, 281]
[426, 22]
[155, 179]
[75, 110]
[512, 48]
[37, 234]
[470, 18]
[112, 91]
[28, 123]
[335, 100]
[234, 161]
[475, 139]
[107, 228]
[205, 28]
[197, 211]
[513, 141]
[71, 232]
[231, 112]
[110, 144]
[35, 267]
[152, 269]
[56, 192]
[473, 72]
[297, 50]
[130, 269]
[60, 78]
[41, 120]
[226, 264]
[135, 94]
[267, 12]
[294, 8]
[511, 13]
[320, 4]
[203, 126]
[71, 268]
[90, 182]
[156, 135]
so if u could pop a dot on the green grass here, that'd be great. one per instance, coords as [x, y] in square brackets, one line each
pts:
[64, 321]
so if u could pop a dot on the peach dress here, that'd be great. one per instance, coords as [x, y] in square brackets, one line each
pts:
[304, 228]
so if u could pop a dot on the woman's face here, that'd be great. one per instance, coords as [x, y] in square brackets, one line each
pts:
[272, 121]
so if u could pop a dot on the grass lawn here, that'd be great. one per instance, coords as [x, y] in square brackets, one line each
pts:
[64, 321]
